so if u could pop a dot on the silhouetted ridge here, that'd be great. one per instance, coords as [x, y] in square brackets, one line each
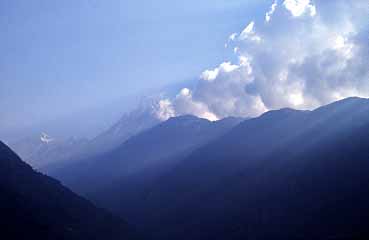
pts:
[281, 113]
[186, 117]
[34, 206]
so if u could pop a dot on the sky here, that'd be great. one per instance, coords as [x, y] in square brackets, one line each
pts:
[60, 59]
[300, 54]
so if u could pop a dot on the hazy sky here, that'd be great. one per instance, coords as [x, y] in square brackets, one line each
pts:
[58, 57]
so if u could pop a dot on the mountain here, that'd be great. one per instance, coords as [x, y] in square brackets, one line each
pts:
[34, 206]
[139, 119]
[285, 175]
[42, 151]
[45, 153]
[141, 115]
[141, 159]
[130, 124]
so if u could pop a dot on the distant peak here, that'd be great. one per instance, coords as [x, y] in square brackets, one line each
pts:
[46, 138]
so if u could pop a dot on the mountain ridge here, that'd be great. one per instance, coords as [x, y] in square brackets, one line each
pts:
[34, 204]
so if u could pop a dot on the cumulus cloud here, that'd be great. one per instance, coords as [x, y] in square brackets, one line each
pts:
[165, 110]
[233, 36]
[211, 75]
[300, 7]
[249, 34]
[303, 55]
[184, 104]
[269, 14]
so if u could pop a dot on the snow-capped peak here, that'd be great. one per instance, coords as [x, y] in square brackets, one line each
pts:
[46, 138]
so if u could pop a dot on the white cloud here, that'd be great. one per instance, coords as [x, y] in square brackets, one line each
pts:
[269, 14]
[302, 62]
[184, 104]
[233, 36]
[249, 34]
[299, 7]
[343, 46]
[210, 75]
[218, 94]
[165, 110]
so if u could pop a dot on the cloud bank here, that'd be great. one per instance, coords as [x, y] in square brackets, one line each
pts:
[303, 55]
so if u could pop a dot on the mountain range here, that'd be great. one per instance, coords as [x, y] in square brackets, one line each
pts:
[139, 114]
[287, 174]
[151, 151]
[43, 151]
[45, 155]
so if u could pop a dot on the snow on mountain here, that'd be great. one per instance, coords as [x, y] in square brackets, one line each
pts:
[46, 138]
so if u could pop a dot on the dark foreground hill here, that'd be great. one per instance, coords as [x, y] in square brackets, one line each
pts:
[34, 206]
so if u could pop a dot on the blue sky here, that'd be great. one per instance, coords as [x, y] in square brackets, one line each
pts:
[63, 63]
[61, 57]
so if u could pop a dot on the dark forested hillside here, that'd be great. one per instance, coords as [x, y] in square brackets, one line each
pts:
[34, 206]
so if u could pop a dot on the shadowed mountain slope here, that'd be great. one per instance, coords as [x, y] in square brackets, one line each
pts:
[285, 175]
[151, 148]
[34, 206]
